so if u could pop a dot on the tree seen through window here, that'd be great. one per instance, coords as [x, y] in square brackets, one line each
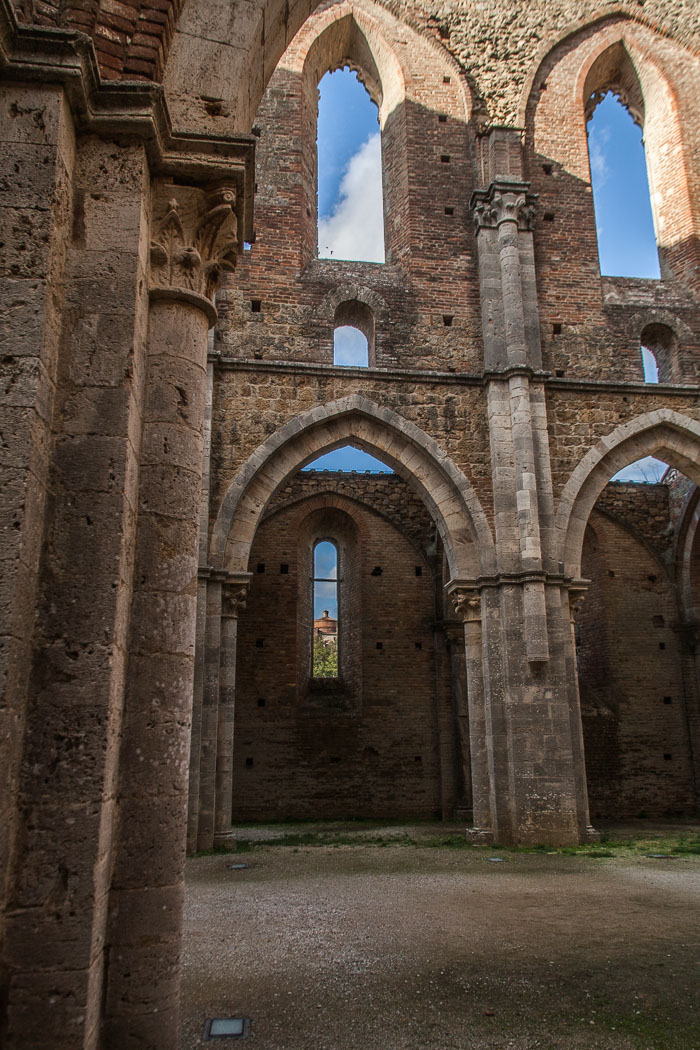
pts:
[326, 620]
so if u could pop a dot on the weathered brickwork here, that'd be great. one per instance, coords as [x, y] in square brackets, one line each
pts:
[301, 753]
[387, 494]
[150, 469]
[633, 697]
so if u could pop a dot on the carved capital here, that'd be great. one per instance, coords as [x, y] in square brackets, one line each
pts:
[577, 596]
[467, 603]
[504, 202]
[194, 239]
[233, 599]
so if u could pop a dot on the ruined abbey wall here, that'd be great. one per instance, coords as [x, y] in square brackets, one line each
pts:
[162, 386]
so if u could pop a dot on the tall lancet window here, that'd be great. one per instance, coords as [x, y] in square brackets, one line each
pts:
[623, 215]
[350, 198]
[326, 610]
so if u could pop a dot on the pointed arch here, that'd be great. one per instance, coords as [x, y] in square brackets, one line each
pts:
[441, 485]
[663, 433]
[644, 68]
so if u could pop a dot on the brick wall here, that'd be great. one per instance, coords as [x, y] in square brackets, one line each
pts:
[632, 692]
[304, 753]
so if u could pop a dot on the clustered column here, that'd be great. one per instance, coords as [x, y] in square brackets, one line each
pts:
[527, 758]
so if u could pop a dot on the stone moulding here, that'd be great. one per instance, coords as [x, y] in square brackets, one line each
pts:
[121, 108]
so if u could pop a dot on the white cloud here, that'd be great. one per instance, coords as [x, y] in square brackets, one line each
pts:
[599, 164]
[355, 228]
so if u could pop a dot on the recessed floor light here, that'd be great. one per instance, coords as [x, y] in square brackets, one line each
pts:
[226, 1027]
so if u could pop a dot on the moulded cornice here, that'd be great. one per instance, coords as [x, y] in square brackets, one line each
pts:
[129, 109]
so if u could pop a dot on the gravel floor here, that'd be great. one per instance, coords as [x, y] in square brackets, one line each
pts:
[416, 948]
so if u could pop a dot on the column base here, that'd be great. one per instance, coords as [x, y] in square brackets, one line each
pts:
[480, 836]
[225, 840]
[590, 835]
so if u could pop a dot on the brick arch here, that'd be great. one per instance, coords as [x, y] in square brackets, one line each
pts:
[327, 497]
[441, 485]
[663, 433]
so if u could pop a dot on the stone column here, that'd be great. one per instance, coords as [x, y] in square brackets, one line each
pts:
[454, 637]
[194, 237]
[467, 603]
[508, 209]
[572, 597]
[533, 736]
[203, 576]
[234, 595]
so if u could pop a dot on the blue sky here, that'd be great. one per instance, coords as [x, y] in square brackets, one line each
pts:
[350, 209]
[325, 591]
[626, 241]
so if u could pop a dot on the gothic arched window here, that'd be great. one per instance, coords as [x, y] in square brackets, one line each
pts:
[350, 197]
[326, 611]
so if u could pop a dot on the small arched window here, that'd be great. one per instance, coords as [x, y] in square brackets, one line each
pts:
[659, 354]
[649, 366]
[326, 608]
[353, 336]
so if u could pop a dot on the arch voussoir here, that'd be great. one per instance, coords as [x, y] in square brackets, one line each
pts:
[663, 433]
[444, 488]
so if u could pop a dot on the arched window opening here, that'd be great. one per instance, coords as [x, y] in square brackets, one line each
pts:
[649, 366]
[353, 336]
[350, 197]
[349, 459]
[659, 343]
[646, 471]
[326, 611]
[350, 347]
[624, 222]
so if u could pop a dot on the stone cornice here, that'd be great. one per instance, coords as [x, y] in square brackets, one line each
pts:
[504, 579]
[422, 375]
[129, 109]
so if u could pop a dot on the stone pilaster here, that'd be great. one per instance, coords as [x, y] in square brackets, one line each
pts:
[235, 589]
[504, 215]
[60, 893]
[455, 642]
[467, 602]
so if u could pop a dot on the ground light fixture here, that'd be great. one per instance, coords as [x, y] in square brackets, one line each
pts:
[226, 1027]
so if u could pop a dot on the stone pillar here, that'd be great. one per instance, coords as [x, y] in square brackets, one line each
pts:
[200, 636]
[62, 864]
[532, 720]
[467, 603]
[454, 637]
[37, 160]
[194, 236]
[234, 595]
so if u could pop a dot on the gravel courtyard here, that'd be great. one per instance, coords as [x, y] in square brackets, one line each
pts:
[406, 944]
